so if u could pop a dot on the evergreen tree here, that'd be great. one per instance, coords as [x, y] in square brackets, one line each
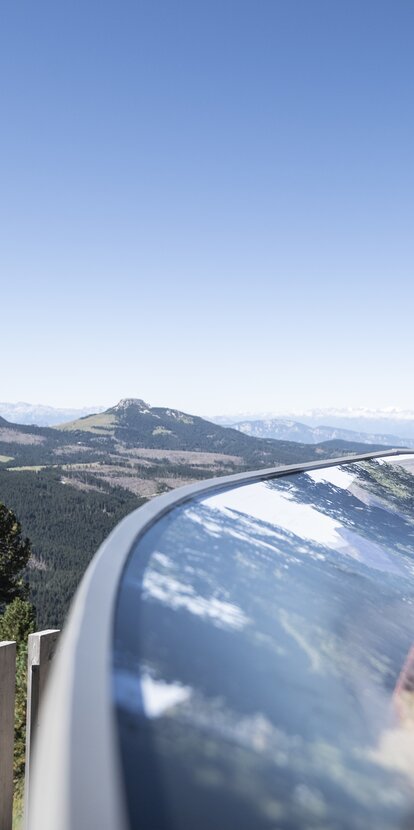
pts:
[14, 556]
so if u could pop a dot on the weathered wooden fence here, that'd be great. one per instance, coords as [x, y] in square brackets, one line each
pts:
[41, 648]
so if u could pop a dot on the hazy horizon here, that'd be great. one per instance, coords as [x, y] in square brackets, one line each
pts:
[391, 413]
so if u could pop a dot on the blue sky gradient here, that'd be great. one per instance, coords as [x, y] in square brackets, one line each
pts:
[209, 205]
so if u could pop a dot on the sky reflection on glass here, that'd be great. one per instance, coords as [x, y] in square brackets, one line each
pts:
[263, 663]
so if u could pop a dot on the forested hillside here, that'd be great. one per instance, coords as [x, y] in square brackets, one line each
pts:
[66, 527]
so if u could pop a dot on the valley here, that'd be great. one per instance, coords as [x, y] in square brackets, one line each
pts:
[70, 484]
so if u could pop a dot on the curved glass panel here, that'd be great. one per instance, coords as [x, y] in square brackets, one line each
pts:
[263, 662]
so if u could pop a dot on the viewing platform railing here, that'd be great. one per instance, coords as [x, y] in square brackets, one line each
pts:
[79, 701]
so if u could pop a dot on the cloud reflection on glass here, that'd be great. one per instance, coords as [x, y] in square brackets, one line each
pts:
[260, 662]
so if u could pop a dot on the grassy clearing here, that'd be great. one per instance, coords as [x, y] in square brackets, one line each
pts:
[162, 431]
[4, 459]
[28, 469]
[93, 423]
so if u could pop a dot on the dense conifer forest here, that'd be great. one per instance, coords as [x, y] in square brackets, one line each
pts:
[66, 527]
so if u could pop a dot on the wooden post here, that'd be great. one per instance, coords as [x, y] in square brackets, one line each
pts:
[41, 648]
[7, 694]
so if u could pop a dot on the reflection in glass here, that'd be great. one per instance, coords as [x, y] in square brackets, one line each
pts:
[263, 663]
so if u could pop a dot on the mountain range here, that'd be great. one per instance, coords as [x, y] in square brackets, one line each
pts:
[389, 426]
[125, 440]
[288, 430]
[359, 424]
[393, 422]
[42, 415]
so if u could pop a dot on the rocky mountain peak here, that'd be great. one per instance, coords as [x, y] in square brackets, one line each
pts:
[126, 403]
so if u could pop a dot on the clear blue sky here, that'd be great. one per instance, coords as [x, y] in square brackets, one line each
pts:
[207, 204]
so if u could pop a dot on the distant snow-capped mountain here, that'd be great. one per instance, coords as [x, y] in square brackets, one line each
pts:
[42, 415]
[289, 430]
[389, 421]
[373, 422]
